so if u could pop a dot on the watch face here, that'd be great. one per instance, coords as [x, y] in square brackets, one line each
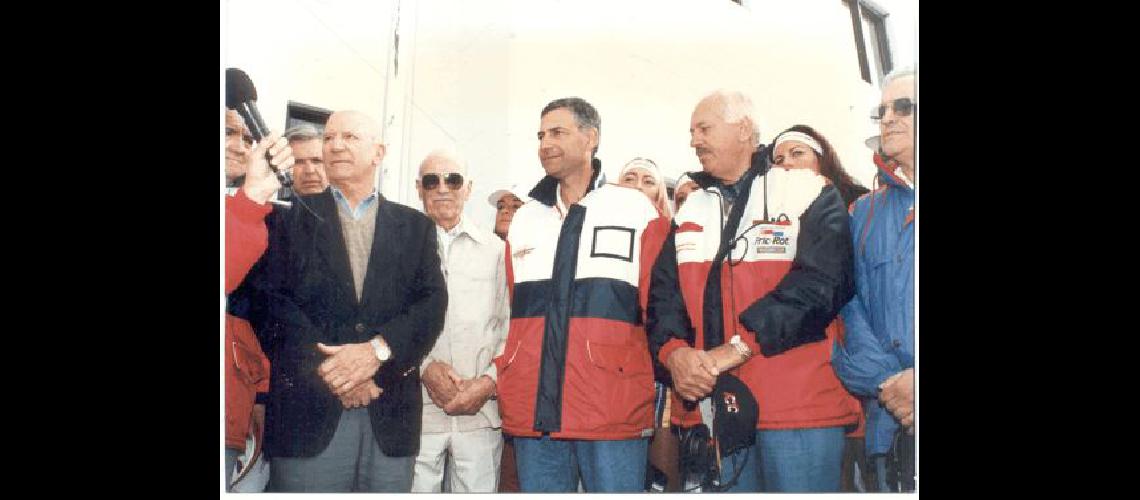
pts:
[382, 351]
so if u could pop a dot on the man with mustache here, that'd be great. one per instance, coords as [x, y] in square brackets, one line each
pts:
[576, 379]
[876, 360]
[763, 260]
[460, 421]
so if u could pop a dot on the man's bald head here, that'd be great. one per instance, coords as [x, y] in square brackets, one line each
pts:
[363, 122]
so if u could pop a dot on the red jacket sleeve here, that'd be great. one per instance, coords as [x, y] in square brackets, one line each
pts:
[666, 320]
[246, 236]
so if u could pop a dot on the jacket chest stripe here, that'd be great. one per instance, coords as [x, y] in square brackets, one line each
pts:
[601, 298]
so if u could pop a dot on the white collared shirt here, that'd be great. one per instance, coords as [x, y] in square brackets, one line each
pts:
[562, 209]
[476, 322]
[445, 238]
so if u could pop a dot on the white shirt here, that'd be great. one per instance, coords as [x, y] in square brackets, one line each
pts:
[476, 322]
[445, 237]
[562, 209]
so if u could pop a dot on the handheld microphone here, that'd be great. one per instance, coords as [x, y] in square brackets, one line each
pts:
[241, 96]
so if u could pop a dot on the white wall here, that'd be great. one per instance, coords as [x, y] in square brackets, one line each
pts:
[474, 75]
[329, 54]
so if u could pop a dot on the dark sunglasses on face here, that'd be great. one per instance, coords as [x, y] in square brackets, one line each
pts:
[902, 106]
[454, 180]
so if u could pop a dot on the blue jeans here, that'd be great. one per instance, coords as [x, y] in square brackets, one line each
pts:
[231, 463]
[788, 461]
[555, 465]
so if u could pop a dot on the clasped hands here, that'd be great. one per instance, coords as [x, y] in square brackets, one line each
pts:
[348, 373]
[453, 393]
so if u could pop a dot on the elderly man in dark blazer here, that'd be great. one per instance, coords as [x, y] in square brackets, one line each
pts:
[357, 300]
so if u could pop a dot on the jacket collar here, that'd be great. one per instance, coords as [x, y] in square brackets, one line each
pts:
[887, 173]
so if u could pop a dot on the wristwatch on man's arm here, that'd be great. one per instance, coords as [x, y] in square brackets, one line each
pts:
[741, 348]
[383, 353]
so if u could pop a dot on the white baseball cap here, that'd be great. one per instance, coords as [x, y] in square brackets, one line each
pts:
[514, 189]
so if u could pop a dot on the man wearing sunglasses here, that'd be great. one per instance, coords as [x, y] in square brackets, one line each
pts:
[357, 299]
[876, 361]
[460, 422]
[576, 380]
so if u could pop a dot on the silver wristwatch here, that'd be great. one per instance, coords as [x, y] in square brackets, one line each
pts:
[741, 347]
[383, 353]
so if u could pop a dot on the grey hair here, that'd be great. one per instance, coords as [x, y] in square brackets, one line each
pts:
[584, 113]
[735, 106]
[896, 74]
[302, 132]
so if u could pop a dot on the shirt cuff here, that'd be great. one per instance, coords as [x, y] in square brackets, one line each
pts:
[245, 206]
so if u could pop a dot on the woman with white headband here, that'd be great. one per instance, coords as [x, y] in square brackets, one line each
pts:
[642, 174]
[802, 147]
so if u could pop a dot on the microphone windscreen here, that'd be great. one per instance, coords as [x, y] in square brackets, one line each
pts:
[239, 88]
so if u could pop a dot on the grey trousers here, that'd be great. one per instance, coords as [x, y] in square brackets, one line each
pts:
[352, 462]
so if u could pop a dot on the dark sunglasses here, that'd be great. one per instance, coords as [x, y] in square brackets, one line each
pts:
[902, 106]
[431, 181]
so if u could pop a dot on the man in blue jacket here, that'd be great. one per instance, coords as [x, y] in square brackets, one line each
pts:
[876, 360]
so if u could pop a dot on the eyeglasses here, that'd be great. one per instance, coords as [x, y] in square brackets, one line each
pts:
[454, 180]
[902, 106]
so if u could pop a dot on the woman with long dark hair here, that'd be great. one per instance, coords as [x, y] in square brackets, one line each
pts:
[803, 147]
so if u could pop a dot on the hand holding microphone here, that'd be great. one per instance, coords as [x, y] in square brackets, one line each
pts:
[241, 96]
[270, 161]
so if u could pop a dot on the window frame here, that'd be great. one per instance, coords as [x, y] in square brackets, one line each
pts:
[878, 19]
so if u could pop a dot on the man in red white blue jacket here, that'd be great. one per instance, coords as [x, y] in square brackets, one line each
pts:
[575, 381]
[763, 262]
